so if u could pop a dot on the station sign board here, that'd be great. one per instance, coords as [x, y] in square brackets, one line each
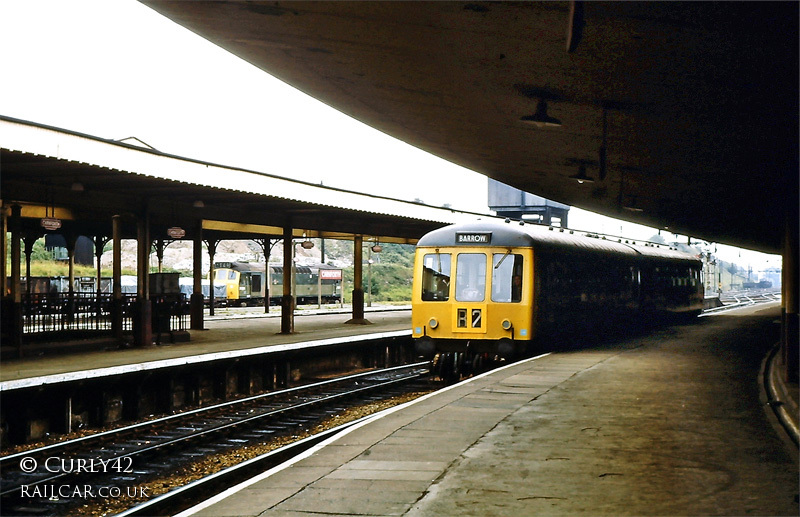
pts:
[51, 223]
[176, 232]
[473, 237]
[330, 274]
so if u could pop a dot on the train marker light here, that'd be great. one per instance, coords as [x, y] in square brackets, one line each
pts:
[433, 323]
[507, 325]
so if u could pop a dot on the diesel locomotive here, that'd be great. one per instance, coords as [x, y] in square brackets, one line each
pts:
[249, 283]
[492, 289]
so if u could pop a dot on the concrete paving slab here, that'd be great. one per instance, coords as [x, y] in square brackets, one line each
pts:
[665, 424]
[253, 501]
[335, 454]
[357, 503]
[223, 336]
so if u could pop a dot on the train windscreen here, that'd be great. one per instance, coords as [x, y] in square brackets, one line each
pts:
[471, 277]
[506, 278]
[436, 277]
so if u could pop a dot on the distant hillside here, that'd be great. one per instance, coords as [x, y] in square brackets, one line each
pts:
[178, 254]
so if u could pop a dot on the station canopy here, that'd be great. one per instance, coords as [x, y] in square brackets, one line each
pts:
[669, 114]
[82, 181]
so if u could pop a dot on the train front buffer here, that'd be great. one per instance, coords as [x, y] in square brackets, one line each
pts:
[472, 299]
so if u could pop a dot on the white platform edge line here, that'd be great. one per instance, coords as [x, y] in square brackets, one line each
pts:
[377, 416]
[192, 359]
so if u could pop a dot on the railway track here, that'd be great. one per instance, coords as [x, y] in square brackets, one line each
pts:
[735, 299]
[54, 479]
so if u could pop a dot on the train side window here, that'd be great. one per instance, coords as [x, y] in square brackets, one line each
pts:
[436, 277]
[506, 278]
[471, 277]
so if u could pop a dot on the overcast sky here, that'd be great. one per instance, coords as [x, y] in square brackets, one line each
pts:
[115, 68]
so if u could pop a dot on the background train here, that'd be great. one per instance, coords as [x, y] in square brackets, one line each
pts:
[499, 289]
[235, 283]
[88, 285]
[249, 283]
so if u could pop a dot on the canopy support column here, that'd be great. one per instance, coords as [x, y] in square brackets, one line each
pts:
[358, 286]
[116, 278]
[196, 302]
[143, 319]
[790, 342]
[211, 244]
[287, 302]
[15, 298]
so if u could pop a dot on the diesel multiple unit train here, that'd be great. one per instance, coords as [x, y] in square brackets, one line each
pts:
[483, 289]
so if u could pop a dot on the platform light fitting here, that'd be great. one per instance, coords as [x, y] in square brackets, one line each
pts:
[541, 119]
[632, 205]
[198, 204]
[581, 176]
[77, 187]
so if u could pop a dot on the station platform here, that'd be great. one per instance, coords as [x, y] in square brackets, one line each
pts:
[671, 423]
[231, 331]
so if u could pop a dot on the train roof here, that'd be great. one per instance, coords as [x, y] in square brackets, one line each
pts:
[259, 266]
[513, 234]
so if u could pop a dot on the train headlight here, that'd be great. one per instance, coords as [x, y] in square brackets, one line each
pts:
[507, 325]
[433, 323]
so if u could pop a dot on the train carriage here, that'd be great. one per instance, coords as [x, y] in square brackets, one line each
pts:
[494, 289]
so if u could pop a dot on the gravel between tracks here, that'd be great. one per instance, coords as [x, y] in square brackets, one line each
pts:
[217, 462]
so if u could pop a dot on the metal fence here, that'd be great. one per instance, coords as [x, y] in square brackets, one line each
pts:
[45, 313]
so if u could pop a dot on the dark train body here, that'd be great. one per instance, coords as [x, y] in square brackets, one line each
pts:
[497, 288]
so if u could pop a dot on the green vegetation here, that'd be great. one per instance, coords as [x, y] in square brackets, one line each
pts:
[391, 275]
[388, 283]
[42, 263]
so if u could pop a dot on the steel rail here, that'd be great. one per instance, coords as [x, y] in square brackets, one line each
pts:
[190, 494]
[234, 421]
[48, 449]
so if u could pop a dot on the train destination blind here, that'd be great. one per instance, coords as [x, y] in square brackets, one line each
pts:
[473, 237]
